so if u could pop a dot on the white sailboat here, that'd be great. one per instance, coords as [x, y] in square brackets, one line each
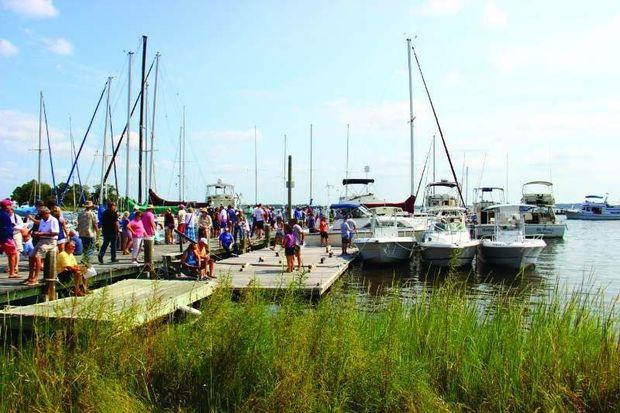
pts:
[509, 247]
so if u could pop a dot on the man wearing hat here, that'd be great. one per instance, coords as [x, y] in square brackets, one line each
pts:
[148, 220]
[87, 228]
[110, 229]
[47, 234]
[204, 224]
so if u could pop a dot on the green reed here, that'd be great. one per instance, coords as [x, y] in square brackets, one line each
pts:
[440, 351]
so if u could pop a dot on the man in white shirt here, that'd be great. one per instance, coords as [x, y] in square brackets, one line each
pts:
[181, 220]
[259, 220]
[47, 236]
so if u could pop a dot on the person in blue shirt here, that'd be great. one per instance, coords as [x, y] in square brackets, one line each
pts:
[226, 241]
[77, 243]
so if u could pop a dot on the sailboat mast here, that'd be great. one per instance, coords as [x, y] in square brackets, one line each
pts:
[153, 122]
[72, 160]
[311, 164]
[147, 151]
[128, 127]
[141, 131]
[105, 137]
[411, 119]
[255, 167]
[284, 171]
[184, 147]
[346, 172]
[180, 161]
[434, 177]
[37, 194]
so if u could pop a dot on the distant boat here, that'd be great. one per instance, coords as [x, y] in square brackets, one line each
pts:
[370, 200]
[158, 201]
[221, 193]
[595, 208]
[541, 218]
[385, 245]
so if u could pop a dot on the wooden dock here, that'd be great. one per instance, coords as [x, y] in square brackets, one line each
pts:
[135, 302]
[263, 269]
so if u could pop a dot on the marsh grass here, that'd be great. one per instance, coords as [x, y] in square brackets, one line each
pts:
[440, 351]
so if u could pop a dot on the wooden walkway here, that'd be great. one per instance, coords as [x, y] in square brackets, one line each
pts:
[134, 302]
[264, 269]
[13, 289]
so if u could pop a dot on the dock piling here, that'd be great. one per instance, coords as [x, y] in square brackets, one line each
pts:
[49, 275]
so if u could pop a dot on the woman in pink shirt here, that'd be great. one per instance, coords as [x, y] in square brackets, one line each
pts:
[136, 227]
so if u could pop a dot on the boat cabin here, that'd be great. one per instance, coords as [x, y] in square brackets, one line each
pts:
[221, 193]
[442, 194]
[538, 193]
[486, 197]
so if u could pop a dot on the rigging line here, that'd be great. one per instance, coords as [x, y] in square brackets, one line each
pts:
[118, 145]
[423, 171]
[114, 160]
[443, 140]
[49, 151]
[82, 144]
[77, 166]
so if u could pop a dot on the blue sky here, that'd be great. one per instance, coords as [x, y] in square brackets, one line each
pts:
[535, 80]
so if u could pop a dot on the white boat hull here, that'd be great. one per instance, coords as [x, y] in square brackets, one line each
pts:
[444, 255]
[511, 255]
[546, 230]
[335, 238]
[385, 251]
[592, 217]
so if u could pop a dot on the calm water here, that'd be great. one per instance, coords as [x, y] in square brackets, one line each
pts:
[585, 259]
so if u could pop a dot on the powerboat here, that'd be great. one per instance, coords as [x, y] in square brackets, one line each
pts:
[221, 193]
[358, 190]
[447, 240]
[483, 219]
[385, 245]
[509, 247]
[541, 219]
[595, 208]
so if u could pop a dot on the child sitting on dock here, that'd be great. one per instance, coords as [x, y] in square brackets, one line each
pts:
[67, 268]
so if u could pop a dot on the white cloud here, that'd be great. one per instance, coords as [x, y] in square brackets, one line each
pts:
[494, 17]
[7, 49]
[31, 8]
[58, 45]
[442, 7]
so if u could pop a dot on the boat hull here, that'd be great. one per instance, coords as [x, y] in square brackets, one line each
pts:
[510, 256]
[382, 251]
[591, 217]
[445, 255]
[546, 230]
[335, 238]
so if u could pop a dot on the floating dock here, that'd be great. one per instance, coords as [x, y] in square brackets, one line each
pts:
[135, 302]
[264, 269]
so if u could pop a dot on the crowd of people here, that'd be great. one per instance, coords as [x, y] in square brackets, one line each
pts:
[233, 228]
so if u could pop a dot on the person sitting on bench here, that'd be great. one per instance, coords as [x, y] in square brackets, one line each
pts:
[190, 261]
[207, 263]
[68, 268]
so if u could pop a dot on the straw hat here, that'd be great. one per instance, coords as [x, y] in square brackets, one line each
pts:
[88, 204]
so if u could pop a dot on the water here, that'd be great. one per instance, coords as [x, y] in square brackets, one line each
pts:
[585, 260]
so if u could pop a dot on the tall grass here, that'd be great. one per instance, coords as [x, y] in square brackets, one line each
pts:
[441, 351]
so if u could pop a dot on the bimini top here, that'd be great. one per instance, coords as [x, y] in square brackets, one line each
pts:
[521, 207]
[595, 196]
[490, 188]
[545, 183]
[443, 182]
[358, 181]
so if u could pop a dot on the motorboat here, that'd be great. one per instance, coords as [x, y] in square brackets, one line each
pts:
[221, 193]
[482, 218]
[509, 246]
[541, 219]
[595, 208]
[447, 240]
[385, 244]
[358, 190]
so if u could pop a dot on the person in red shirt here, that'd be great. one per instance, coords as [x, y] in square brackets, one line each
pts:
[323, 230]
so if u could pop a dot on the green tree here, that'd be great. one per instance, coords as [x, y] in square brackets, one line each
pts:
[111, 194]
[25, 193]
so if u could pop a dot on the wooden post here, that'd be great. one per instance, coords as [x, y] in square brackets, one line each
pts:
[49, 275]
[148, 256]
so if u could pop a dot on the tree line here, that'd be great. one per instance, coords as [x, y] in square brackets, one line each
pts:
[25, 193]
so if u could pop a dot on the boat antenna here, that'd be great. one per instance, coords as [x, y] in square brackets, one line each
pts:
[443, 140]
[411, 119]
[346, 172]
[484, 162]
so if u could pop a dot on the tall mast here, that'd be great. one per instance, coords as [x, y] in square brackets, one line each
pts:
[255, 167]
[183, 149]
[141, 131]
[310, 164]
[346, 172]
[105, 138]
[39, 149]
[411, 119]
[285, 161]
[72, 160]
[180, 162]
[153, 122]
[147, 151]
[128, 127]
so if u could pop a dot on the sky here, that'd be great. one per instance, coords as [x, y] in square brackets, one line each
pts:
[523, 90]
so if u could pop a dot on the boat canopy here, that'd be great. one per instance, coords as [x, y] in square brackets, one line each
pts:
[521, 207]
[345, 205]
[595, 196]
[358, 181]
[490, 189]
[545, 183]
[443, 183]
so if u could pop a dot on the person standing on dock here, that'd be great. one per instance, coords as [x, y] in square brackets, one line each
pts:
[7, 243]
[181, 220]
[136, 227]
[204, 224]
[289, 248]
[109, 229]
[232, 218]
[223, 218]
[259, 220]
[148, 220]
[324, 232]
[190, 221]
[125, 234]
[300, 238]
[169, 226]
[87, 230]
[47, 235]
